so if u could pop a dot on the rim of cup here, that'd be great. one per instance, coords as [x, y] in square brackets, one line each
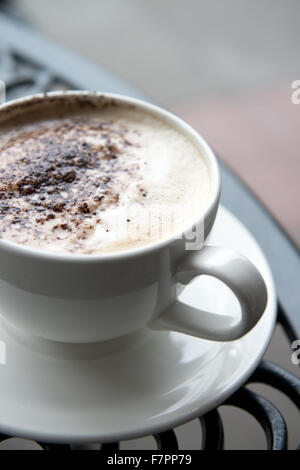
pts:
[174, 121]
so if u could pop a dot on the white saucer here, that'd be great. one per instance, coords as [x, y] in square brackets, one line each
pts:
[127, 389]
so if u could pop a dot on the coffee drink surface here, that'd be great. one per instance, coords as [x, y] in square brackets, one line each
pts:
[88, 180]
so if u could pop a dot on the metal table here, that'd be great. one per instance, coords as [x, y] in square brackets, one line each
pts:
[30, 63]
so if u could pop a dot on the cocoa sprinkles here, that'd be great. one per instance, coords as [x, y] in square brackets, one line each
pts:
[63, 171]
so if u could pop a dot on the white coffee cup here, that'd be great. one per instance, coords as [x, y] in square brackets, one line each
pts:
[98, 297]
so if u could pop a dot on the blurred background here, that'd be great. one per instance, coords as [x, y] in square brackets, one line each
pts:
[226, 66]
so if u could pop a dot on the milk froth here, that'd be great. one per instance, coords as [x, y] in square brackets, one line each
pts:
[97, 180]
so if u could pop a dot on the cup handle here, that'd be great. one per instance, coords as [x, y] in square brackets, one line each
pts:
[239, 274]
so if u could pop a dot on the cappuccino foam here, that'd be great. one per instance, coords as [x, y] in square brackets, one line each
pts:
[97, 179]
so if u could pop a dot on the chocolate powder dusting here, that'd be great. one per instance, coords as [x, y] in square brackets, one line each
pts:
[65, 170]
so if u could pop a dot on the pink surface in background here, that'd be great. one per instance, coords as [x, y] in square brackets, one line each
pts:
[259, 137]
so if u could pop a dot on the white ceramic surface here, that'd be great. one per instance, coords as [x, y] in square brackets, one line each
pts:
[141, 384]
[99, 297]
